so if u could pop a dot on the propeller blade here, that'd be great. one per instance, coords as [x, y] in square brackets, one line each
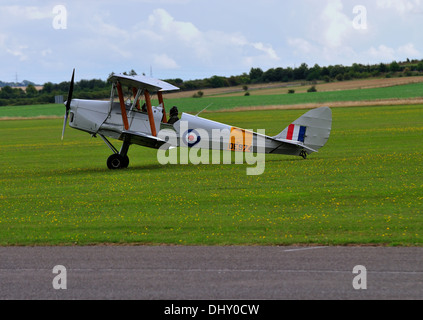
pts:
[64, 124]
[70, 93]
[68, 103]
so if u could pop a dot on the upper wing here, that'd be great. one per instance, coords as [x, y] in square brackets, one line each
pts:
[143, 82]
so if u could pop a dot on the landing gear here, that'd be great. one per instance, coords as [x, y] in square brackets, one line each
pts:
[303, 154]
[117, 161]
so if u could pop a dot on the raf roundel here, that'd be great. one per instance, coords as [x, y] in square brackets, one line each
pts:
[191, 138]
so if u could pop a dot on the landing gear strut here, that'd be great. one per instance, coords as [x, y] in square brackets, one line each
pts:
[120, 159]
[303, 154]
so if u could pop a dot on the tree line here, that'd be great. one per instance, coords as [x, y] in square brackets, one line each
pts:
[99, 89]
[84, 89]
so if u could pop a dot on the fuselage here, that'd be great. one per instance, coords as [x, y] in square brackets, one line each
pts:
[105, 118]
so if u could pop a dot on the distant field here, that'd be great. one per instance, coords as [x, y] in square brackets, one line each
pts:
[364, 187]
[33, 111]
[408, 91]
[400, 94]
[283, 87]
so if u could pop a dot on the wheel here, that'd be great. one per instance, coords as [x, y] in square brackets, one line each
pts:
[125, 162]
[116, 161]
[303, 154]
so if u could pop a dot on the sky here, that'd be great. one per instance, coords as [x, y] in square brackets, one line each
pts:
[43, 41]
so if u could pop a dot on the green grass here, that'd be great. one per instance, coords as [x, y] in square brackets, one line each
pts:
[223, 103]
[364, 187]
[33, 111]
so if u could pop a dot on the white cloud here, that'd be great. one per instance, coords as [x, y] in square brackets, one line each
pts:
[99, 27]
[162, 21]
[209, 47]
[165, 62]
[19, 53]
[401, 6]
[267, 49]
[27, 12]
[192, 39]
[335, 22]
[300, 46]
[409, 51]
[384, 53]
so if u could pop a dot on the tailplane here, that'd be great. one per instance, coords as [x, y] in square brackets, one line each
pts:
[312, 129]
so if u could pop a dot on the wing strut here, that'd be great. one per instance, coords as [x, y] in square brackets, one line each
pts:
[150, 113]
[160, 95]
[122, 106]
[135, 92]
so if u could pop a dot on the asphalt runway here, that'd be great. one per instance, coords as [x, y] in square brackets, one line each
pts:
[211, 273]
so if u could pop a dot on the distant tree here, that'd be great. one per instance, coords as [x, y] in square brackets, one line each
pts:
[131, 73]
[394, 66]
[314, 73]
[270, 75]
[47, 88]
[301, 72]
[217, 82]
[407, 72]
[31, 91]
[287, 74]
[199, 94]
[383, 68]
[6, 92]
[336, 69]
[256, 74]
[312, 89]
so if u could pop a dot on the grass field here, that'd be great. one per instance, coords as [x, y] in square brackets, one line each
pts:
[364, 187]
[228, 102]
[414, 90]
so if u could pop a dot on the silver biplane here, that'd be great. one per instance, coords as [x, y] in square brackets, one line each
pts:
[131, 123]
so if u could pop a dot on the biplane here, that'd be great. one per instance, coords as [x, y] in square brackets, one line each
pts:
[133, 124]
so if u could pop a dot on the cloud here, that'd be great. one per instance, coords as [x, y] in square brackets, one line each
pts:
[300, 46]
[384, 53]
[401, 6]
[182, 40]
[184, 31]
[409, 51]
[165, 62]
[267, 49]
[27, 12]
[335, 22]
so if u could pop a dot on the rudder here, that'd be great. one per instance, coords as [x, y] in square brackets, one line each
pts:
[313, 128]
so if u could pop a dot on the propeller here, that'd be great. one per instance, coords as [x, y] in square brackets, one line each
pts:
[68, 103]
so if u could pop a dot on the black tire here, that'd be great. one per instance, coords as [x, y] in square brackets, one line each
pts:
[116, 161]
[125, 163]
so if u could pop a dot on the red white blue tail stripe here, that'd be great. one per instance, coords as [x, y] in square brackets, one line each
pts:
[296, 133]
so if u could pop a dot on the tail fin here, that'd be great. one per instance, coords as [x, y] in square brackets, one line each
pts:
[313, 128]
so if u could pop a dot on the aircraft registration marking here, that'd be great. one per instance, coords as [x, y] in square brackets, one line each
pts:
[240, 140]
